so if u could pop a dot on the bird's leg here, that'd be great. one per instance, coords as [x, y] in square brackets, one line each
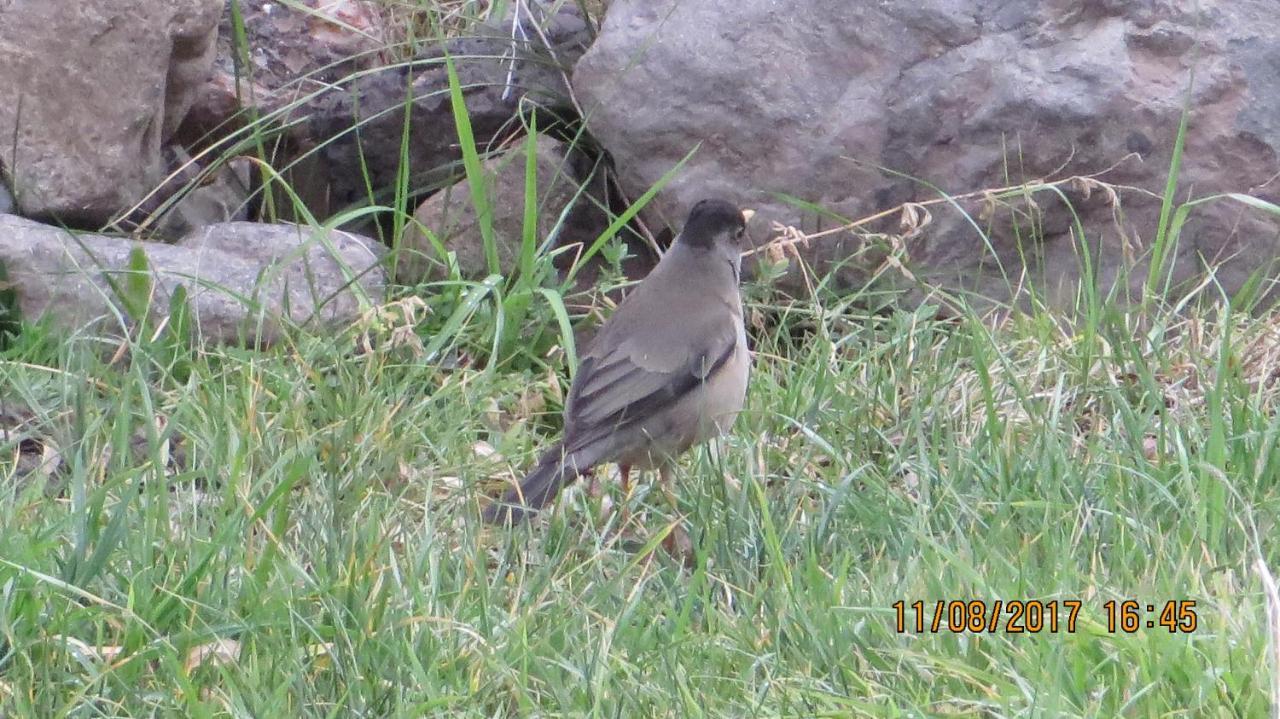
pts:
[664, 480]
[677, 542]
[624, 470]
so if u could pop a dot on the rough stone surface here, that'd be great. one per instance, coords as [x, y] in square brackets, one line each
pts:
[248, 275]
[93, 89]
[450, 215]
[338, 64]
[812, 98]
[293, 52]
[335, 67]
[495, 84]
[194, 197]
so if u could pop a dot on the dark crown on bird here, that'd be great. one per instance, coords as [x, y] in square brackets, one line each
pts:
[709, 217]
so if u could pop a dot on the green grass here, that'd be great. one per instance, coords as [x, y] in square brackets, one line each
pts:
[294, 532]
[323, 526]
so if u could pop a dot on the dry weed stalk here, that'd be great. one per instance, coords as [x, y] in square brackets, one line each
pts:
[915, 216]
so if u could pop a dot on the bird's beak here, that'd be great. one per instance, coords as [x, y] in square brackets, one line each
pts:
[747, 215]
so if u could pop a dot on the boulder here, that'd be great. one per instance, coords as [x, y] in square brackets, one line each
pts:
[89, 92]
[243, 280]
[859, 107]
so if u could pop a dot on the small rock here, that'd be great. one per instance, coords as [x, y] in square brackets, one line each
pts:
[499, 73]
[317, 70]
[193, 201]
[450, 215]
[242, 279]
[292, 47]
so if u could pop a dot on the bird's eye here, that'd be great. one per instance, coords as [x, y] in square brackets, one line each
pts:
[738, 235]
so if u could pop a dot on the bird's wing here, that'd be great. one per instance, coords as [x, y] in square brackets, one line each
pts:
[630, 376]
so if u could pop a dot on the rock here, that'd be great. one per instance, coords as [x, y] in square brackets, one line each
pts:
[290, 50]
[193, 197]
[320, 72]
[814, 100]
[194, 37]
[450, 215]
[242, 279]
[91, 91]
[495, 83]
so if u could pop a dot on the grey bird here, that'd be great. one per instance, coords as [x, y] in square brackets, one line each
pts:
[666, 372]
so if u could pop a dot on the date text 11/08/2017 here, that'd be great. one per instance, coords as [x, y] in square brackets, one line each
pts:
[1031, 616]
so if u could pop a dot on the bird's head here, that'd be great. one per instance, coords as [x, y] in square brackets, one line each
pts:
[717, 226]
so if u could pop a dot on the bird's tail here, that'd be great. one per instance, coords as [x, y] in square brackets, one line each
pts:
[552, 472]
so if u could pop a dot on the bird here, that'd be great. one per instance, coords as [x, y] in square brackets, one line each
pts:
[668, 370]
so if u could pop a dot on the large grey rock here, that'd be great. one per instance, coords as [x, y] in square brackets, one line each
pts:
[812, 98]
[88, 93]
[242, 279]
[450, 216]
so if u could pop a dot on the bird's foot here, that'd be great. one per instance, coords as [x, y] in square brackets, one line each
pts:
[679, 545]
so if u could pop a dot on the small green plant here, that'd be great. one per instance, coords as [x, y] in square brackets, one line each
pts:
[10, 319]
